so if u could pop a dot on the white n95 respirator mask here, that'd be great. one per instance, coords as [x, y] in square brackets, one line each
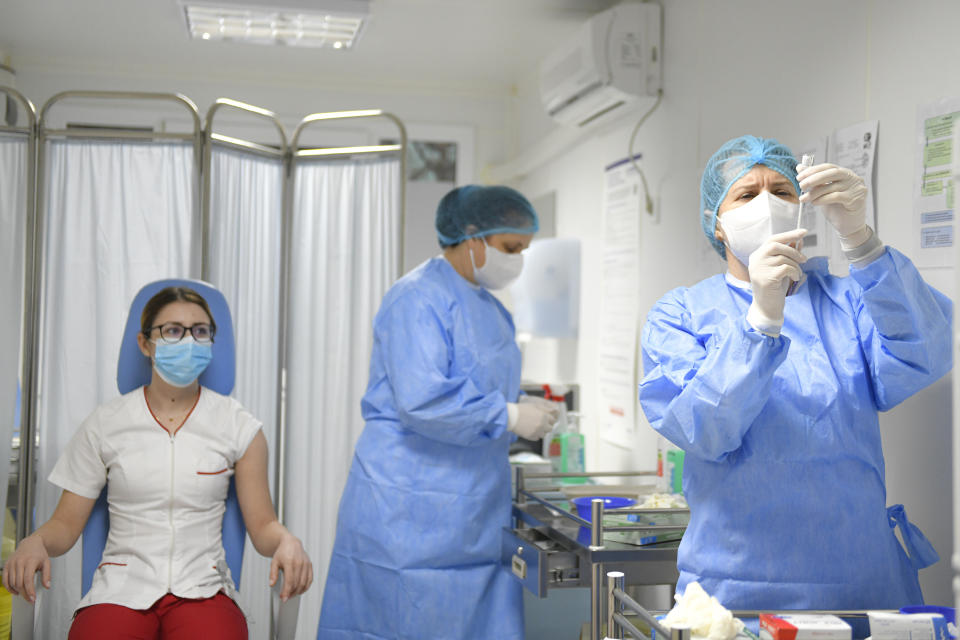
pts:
[499, 269]
[749, 226]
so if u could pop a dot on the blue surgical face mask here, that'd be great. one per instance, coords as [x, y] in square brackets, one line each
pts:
[181, 363]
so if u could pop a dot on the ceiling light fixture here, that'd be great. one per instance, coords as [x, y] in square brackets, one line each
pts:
[314, 25]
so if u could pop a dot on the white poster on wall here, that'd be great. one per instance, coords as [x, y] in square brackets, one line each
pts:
[933, 191]
[854, 147]
[619, 324]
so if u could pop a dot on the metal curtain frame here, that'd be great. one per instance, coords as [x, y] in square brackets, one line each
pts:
[202, 138]
[209, 137]
[283, 153]
[28, 312]
[36, 310]
[297, 152]
[110, 132]
[360, 150]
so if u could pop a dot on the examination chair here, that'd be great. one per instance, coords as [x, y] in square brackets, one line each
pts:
[134, 371]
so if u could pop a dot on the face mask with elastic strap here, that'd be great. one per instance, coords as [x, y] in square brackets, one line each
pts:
[749, 226]
[181, 363]
[499, 270]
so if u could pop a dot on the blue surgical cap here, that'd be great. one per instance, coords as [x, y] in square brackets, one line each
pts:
[730, 163]
[475, 211]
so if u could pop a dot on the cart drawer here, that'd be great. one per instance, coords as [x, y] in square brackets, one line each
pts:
[525, 560]
[537, 561]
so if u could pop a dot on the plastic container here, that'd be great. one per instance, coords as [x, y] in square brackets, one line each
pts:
[584, 507]
[669, 466]
[675, 470]
[565, 447]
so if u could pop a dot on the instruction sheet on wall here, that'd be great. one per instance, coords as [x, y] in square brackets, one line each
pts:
[855, 147]
[933, 192]
[617, 366]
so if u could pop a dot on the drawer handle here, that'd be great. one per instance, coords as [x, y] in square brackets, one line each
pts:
[519, 566]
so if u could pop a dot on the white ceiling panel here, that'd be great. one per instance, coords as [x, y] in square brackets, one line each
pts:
[458, 45]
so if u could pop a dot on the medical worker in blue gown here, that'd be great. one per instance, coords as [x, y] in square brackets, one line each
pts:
[417, 552]
[774, 398]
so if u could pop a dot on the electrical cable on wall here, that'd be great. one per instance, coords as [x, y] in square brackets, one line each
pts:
[633, 136]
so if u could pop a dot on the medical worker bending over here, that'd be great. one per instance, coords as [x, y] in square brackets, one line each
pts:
[417, 553]
[774, 398]
[164, 573]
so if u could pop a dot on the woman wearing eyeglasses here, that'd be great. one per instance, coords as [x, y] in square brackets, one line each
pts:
[165, 450]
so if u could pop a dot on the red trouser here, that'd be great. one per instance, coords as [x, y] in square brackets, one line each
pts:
[170, 618]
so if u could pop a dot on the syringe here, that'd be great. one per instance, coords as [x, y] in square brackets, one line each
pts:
[806, 161]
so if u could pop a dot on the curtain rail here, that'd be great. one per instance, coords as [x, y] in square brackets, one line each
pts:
[348, 151]
[149, 96]
[245, 145]
[116, 134]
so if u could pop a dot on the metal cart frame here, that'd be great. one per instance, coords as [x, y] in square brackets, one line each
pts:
[545, 549]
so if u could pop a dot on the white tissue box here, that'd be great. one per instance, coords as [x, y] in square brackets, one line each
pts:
[803, 627]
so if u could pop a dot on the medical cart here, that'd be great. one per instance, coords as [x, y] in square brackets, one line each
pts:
[549, 547]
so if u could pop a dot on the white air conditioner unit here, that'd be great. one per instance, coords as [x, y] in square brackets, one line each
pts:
[611, 61]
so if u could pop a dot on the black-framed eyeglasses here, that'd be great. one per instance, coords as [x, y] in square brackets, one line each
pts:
[173, 332]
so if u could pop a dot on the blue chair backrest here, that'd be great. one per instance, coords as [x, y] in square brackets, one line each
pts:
[133, 372]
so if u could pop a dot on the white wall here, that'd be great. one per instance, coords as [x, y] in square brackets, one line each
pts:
[793, 71]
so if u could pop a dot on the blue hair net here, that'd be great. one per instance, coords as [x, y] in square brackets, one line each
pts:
[474, 211]
[730, 163]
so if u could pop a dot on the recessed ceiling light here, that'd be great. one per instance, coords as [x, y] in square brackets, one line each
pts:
[292, 27]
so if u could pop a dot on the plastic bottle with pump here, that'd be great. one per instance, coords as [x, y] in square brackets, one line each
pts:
[563, 446]
[669, 466]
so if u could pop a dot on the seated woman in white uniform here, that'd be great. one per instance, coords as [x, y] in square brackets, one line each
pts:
[166, 450]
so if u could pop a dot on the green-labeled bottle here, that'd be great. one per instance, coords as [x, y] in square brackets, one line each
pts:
[565, 449]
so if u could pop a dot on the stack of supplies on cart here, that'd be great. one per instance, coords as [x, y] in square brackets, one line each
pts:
[908, 626]
[803, 627]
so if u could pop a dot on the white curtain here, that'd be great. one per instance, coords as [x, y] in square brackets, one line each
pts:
[117, 215]
[344, 254]
[246, 195]
[13, 202]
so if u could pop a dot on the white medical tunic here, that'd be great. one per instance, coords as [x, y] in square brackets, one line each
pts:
[166, 495]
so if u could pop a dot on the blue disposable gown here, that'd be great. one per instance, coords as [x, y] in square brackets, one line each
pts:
[417, 552]
[783, 469]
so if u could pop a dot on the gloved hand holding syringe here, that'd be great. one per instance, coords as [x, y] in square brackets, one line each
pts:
[806, 161]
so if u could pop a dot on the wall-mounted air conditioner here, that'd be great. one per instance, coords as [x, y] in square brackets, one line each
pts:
[611, 62]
